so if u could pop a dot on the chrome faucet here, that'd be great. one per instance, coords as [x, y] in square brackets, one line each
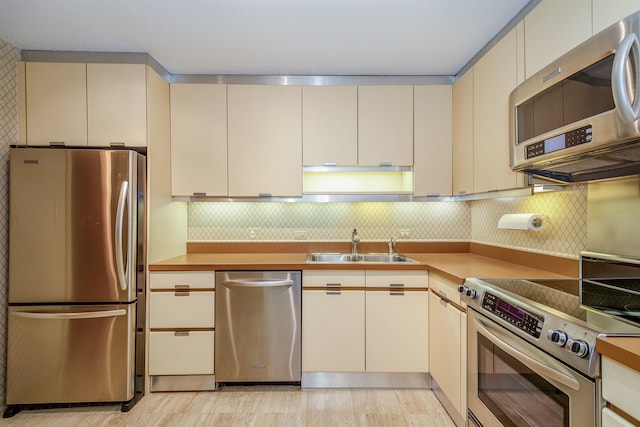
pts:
[355, 239]
[392, 245]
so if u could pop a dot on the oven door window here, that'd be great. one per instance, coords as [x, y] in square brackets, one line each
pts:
[515, 394]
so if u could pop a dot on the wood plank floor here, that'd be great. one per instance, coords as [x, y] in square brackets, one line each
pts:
[248, 406]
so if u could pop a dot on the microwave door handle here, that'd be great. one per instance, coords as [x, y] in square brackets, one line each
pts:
[69, 316]
[628, 111]
[527, 360]
[122, 278]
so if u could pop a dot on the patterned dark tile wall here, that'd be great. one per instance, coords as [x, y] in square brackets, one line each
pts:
[8, 135]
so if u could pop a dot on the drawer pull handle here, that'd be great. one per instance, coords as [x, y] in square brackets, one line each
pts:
[396, 293]
[334, 293]
[182, 286]
[334, 284]
[181, 334]
[181, 293]
[396, 285]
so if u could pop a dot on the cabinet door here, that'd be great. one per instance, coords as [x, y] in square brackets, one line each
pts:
[462, 134]
[445, 360]
[432, 140]
[553, 28]
[330, 125]
[198, 139]
[265, 140]
[117, 105]
[385, 125]
[608, 12]
[397, 331]
[181, 352]
[333, 331]
[494, 77]
[56, 103]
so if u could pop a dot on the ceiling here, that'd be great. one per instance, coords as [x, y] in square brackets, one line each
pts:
[282, 37]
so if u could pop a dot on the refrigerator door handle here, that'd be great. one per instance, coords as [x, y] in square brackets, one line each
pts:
[118, 237]
[67, 316]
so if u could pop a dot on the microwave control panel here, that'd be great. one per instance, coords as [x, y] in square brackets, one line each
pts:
[569, 139]
[529, 322]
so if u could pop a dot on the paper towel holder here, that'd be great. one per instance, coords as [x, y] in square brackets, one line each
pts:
[524, 221]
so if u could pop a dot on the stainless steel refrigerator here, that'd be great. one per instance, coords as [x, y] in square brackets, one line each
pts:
[76, 277]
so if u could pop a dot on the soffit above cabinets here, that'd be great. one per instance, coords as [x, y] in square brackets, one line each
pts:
[270, 37]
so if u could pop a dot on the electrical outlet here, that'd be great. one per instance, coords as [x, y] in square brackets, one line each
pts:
[254, 233]
[405, 234]
[300, 234]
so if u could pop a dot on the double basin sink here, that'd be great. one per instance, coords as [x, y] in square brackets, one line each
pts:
[338, 258]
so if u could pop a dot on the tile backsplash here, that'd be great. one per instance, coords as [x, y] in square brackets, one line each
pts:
[476, 221]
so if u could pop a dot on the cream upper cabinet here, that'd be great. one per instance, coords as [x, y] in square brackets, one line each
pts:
[264, 140]
[198, 139]
[462, 134]
[608, 12]
[330, 125]
[117, 105]
[56, 103]
[494, 77]
[385, 125]
[553, 28]
[432, 112]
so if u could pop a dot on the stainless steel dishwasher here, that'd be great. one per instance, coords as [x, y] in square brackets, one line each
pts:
[258, 330]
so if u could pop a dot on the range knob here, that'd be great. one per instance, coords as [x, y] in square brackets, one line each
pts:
[471, 293]
[557, 337]
[462, 289]
[577, 347]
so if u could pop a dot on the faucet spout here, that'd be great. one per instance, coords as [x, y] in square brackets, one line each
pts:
[355, 239]
[392, 245]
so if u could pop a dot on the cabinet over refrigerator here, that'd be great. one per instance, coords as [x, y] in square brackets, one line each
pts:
[76, 277]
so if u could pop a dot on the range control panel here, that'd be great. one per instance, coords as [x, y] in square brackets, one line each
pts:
[527, 321]
[570, 139]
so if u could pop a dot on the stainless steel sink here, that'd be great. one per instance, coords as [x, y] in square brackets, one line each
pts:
[337, 258]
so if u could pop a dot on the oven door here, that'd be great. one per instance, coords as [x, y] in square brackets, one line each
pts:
[512, 383]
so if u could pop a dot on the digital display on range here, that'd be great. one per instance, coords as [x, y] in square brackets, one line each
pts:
[510, 309]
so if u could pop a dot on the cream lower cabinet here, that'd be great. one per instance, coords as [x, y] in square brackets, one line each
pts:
[357, 321]
[620, 389]
[448, 349]
[181, 337]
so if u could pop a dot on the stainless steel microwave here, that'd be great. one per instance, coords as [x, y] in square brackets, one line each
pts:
[578, 118]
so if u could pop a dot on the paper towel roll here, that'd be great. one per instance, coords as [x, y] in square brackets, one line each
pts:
[525, 221]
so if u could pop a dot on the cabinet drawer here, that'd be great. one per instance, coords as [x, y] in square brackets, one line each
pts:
[611, 419]
[446, 288]
[621, 386]
[182, 280]
[182, 309]
[181, 353]
[352, 278]
[397, 278]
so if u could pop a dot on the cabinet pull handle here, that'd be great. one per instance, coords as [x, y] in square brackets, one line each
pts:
[116, 143]
[330, 164]
[265, 195]
[181, 334]
[433, 194]
[334, 293]
[182, 286]
[56, 143]
[181, 293]
[396, 293]
[334, 284]
[396, 285]
[386, 163]
[199, 194]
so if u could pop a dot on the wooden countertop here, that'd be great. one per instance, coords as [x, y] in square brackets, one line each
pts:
[454, 266]
[624, 350]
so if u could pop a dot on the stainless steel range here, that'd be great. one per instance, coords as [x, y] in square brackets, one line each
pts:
[531, 343]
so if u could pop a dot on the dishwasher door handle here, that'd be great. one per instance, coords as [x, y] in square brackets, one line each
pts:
[258, 283]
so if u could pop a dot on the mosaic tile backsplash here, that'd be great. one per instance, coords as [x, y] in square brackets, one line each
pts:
[476, 221]
[8, 135]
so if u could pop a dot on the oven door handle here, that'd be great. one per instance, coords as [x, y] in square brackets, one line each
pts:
[534, 364]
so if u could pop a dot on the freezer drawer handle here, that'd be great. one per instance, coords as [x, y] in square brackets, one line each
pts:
[258, 283]
[70, 316]
[118, 238]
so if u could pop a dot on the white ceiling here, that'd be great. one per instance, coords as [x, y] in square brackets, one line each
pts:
[299, 37]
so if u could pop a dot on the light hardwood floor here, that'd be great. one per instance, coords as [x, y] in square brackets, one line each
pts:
[246, 406]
